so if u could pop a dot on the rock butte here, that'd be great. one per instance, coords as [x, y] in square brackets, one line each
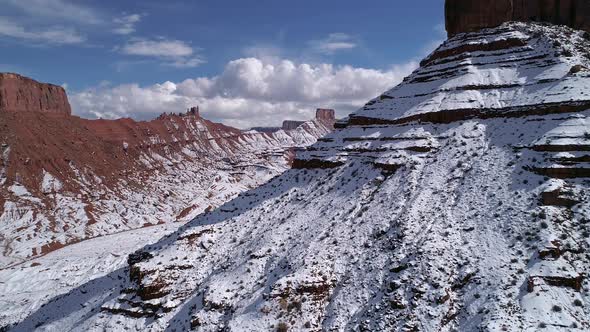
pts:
[324, 115]
[22, 94]
[470, 15]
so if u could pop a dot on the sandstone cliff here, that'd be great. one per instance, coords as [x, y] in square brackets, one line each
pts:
[325, 115]
[22, 94]
[473, 15]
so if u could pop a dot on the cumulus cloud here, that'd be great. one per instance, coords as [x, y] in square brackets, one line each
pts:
[48, 35]
[333, 43]
[125, 25]
[249, 92]
[174, 53]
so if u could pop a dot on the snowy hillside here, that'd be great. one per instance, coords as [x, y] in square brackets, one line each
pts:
[459, 200]
[66, 179]
[26, 288]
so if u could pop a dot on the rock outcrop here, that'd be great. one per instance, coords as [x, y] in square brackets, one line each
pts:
[194, 111]
[473, 15]
[22, 94]
[325, 115]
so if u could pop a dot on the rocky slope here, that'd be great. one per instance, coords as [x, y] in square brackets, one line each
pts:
[458, 200]
[64, 179]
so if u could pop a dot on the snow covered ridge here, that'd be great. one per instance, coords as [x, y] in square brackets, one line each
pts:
[65, 179]
[474, 223]
[514, 69]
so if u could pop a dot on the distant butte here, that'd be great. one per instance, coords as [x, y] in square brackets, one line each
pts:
[22, 94]
[472, 15]
[325, 115]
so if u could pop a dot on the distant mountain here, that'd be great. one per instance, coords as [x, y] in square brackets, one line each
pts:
[64, 179]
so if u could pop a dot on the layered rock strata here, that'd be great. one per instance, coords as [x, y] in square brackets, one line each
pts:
[473, 15]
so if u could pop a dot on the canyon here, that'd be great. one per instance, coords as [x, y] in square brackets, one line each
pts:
[458, 200]
[64, 179]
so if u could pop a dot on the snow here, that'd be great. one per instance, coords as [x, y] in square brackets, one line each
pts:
[573, 132]
[25, 288]
[50, 184]
[524, 83]
[451, 222]
[19, 190]
[176, 186]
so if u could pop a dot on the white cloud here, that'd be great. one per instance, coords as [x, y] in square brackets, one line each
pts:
[185, 62]
[158, 48]
[125, 25]
[58, 21]
[333, 43]
[56, 9]
[249, 92]
[174, 53]
[48, 35]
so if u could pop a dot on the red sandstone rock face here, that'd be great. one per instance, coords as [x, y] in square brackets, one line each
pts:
[473, 15]
[326, 116]
[22, 94]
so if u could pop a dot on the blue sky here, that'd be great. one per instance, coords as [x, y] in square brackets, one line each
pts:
[247, 62]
